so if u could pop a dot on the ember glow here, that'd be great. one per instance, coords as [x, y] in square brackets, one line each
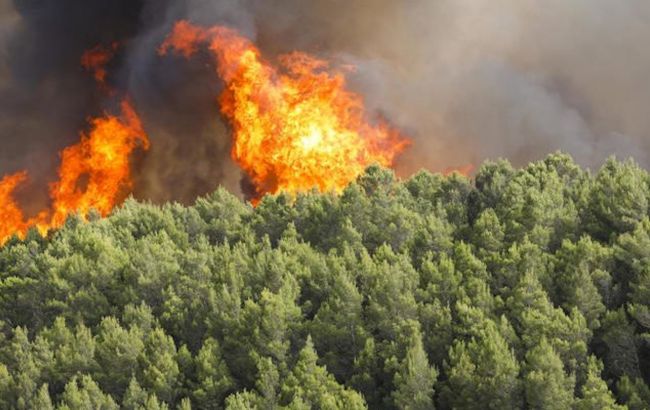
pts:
[95, 60]
[94, 174]
[296, 126]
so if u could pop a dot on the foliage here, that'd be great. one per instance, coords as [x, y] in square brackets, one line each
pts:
[521, 288]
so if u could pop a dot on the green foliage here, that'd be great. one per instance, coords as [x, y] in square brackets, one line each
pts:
[415, 379]
[618, 199]
[595, 394]
[118, 353]
[634, 393]
[545, 383]
[310, 385]
[633, 254]
[483, 372]
[521, 288]
[83, 393]
[212, 374]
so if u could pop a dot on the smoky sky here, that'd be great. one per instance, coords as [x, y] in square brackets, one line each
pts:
[467, 80]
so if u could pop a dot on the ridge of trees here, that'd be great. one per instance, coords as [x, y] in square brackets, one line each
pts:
[519, 288]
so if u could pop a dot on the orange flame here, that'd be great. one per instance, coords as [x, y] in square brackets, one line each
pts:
[102, 159]
[10, 213]
[95, 60]
[296, 128]
[94, 174]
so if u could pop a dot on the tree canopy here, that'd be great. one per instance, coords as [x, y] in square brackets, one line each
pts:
[518, 288]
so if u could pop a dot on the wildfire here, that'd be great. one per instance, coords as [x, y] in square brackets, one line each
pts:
[295, 127]
[10, 213]
[94, 174]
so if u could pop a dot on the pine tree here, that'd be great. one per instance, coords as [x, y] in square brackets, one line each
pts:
[415, 379]
[42, 401]
[482, 373]
[213, 375]
[634, 393]
[545, 383]
[83, 393]
[117, 354]
[135, 396]
[160, 370]
[594, 394]
[337, 327]
[617, 200]
[311, 385]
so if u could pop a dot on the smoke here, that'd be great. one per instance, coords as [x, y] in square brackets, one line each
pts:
[466, 79]
[45, 97]
[476, 79]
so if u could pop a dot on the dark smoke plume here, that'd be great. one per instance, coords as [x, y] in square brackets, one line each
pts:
[45, 96]
[467, 79]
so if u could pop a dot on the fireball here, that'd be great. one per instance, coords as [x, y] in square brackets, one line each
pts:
[295, 126]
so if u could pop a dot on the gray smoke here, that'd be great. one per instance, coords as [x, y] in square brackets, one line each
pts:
[466, 79]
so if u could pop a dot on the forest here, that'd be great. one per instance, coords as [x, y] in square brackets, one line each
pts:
[515, 288]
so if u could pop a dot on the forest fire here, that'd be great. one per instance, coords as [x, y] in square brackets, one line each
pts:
[94, 174]
[10, 213]
[295, 127]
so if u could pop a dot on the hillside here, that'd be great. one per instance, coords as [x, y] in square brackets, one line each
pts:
[518, 288]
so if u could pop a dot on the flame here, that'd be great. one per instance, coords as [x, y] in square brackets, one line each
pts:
[10, 213]
[95, 60]
[295, 127]
[101, 158]
[94, 174]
